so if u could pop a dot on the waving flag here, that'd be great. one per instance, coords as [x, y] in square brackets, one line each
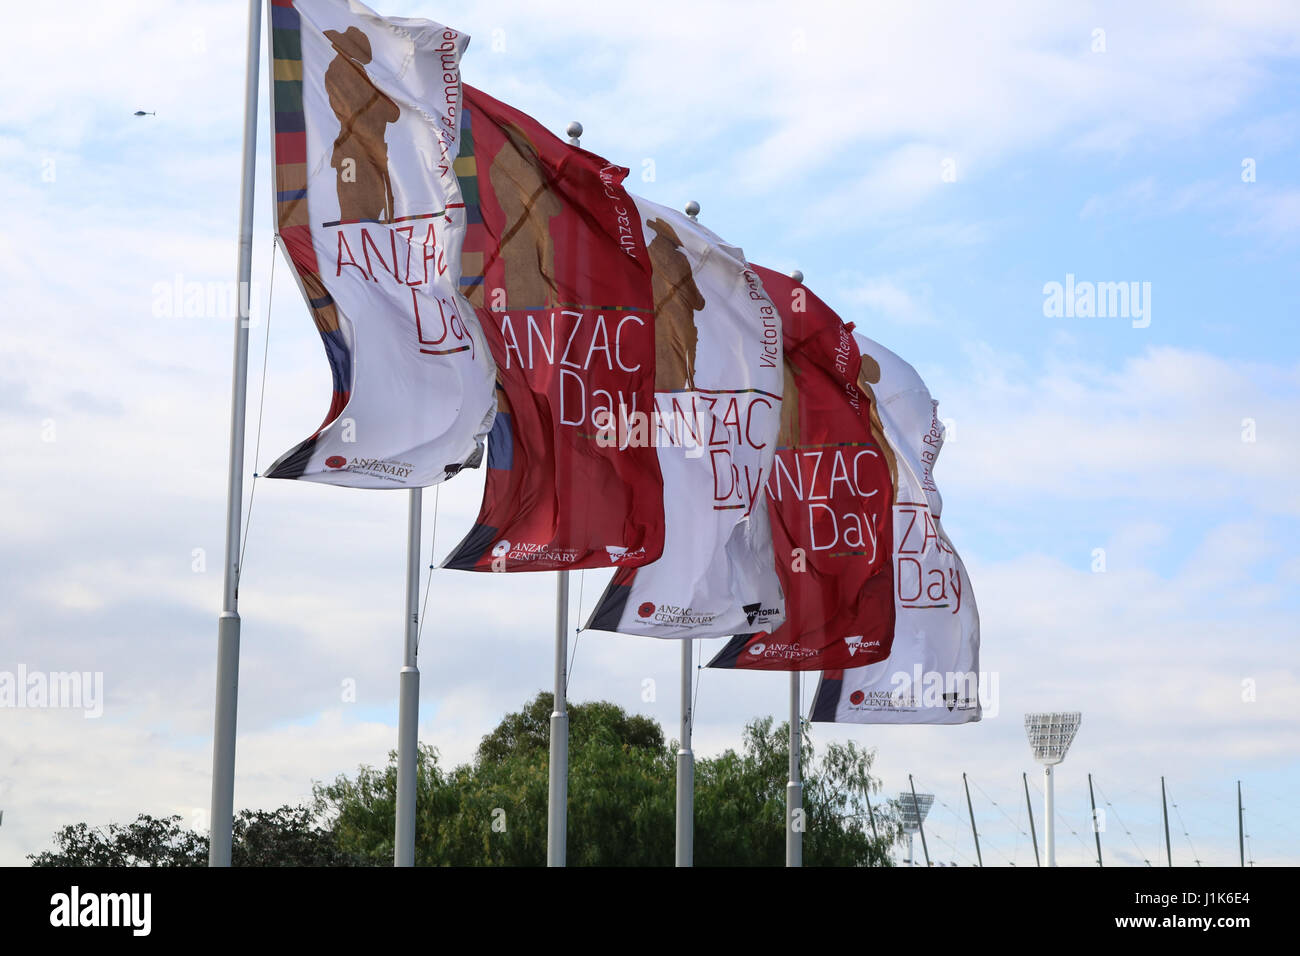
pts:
[557, 269]
[830, 495]
[369, 211]
[713, 423]
[932, 673]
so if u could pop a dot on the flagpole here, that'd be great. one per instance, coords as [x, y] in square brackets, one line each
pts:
[794, 786]
[408, 703]
[558, 799]
[227, 692]
[685, 855]
[686, 767]
[557, 803]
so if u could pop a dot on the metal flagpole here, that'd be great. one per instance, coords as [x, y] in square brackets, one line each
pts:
[920, 823]
[1241, 826]
[1164, 807]
[227, 695]
[685, 855]
[973, 832]
[408, 702]
[557, 801]
[1033, 834]
[1096, 831]
[686, 766]
[871, 814]
[794, 786]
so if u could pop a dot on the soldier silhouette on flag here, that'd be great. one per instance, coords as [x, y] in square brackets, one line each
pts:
[788, 437]
[869, 375]
[676, 298]
[526, 249]
[360, 153]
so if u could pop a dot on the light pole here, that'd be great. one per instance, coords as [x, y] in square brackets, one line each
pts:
[1050, 736]
[914, 807]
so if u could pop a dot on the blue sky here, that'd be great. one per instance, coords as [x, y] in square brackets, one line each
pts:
[814, 138]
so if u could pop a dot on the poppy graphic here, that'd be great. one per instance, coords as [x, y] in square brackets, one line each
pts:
[857, 697]
[646, 609]
[336, 461]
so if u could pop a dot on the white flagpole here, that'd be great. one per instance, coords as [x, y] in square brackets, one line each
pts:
[686, 767]
[794, 786]
[227, 695]
[408, 704]
[685, 755]
[557, 804]
[558, 799]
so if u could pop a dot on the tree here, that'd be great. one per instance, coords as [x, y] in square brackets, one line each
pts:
[288, 836]
[529, 730]
[147, 841]
[621, 799]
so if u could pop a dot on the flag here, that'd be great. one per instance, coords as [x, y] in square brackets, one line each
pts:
[369, 212]
[714, 423]
[932, 673]
[558, 273]
[830, 495]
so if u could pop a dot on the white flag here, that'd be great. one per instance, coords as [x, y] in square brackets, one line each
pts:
[718, 382]
[369, 210]
[932, 673]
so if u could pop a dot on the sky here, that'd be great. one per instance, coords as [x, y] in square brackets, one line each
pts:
[1122, 488]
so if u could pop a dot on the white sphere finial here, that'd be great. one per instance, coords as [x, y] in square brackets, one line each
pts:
[692, 209]
[797, 275]
[574, 132]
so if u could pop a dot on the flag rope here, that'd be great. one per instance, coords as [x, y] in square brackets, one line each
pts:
[261, 405]
[577, 631]
[699, 679]
[428, 583]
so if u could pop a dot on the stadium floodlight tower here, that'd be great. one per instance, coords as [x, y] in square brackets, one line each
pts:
[913, 814]
[1050, 736]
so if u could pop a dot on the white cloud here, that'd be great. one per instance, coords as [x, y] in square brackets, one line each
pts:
[1166, 425]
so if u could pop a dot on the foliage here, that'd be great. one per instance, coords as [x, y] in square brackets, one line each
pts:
[147, 841]
[621, 799]
[288, 836]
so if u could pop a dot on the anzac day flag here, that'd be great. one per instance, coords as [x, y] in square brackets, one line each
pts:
[931, 675]
[713, 422]
[369, 211]
[557, 269]
[830, 495]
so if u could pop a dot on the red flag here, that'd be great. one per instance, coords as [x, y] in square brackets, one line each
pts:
[556, 266]
[830, 498]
